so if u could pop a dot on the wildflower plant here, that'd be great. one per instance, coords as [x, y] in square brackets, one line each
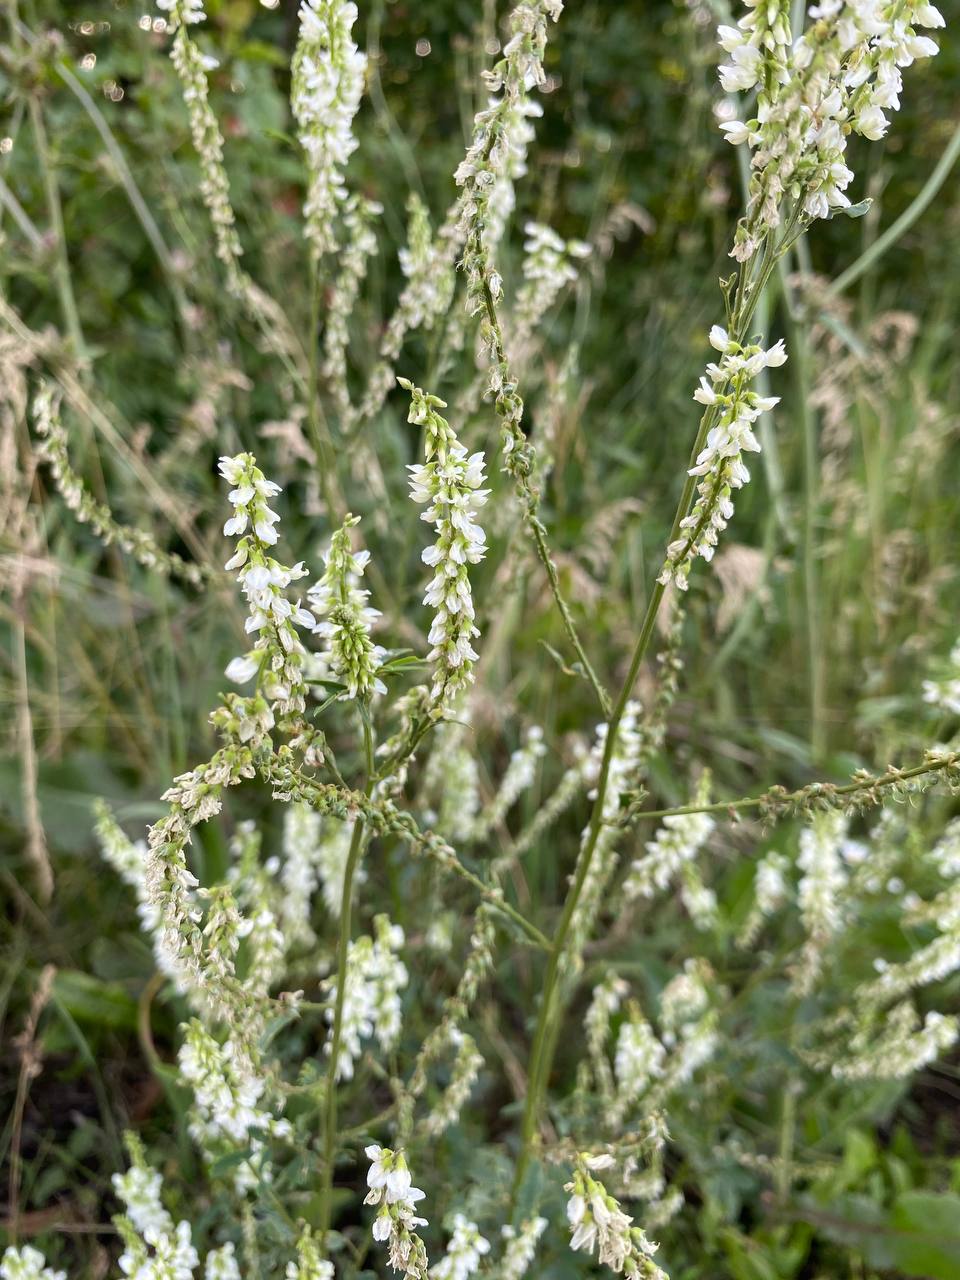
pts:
[442, 929]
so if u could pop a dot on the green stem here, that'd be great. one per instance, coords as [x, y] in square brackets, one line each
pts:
[68, 304]
[343, 947]
[799, 339]
[545, 1036]
[780, 799]
[903, 224]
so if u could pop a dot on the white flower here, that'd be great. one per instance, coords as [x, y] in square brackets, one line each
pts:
[345, 619]
[27, 1264]
[464, 1252]
[278, 652]
[732, 409]
[390, 1187]
[449, 484]
[371, 999]
[327, 84]
[520, 1247]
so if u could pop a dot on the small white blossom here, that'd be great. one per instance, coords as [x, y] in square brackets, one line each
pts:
[327, 84]
[449, 483]
[465, 1250]
[345, 619]
[520, 1247]
[598, 1223]
[27, 1264]
[819, 891]
[391, 1188]
[735, 409]
[375, 976]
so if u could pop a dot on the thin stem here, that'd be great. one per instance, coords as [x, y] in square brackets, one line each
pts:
[529, 499]
[748, 294]
[68, 304]
[799, 338]
[902, 224]
[777, 798]
[343, 948]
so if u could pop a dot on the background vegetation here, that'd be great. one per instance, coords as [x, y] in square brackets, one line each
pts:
[834, 597]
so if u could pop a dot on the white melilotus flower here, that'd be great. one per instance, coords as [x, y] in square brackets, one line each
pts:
[227, 1090]
[278, 657]
[129, 859]
[770, 892]
[548, 265]
[813, 90]
[519, 777]
[684, 998]
[463, 1074]
[823, 881]
[390, 1187]
[902, 1047]
[449, 482]
[186, 11]
[944, 694]
[27, 1264]
[622, 775]
[375, 977]
[451, 779]
[678, 842]
[638, 1060]
[221, 1264]
[464, 1251]
[735, 408]
[597, 1222]
[327, 85]
[345, 619]
[520, 1246]
[154, 1248]
[931, 963]
[192, 67]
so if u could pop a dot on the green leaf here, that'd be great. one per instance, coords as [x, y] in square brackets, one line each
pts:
[92, 1000]
[927, 1235]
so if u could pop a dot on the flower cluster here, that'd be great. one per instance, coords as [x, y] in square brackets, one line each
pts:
[371, 997]
[465, 1250]
[314, 848]
[821, 885]
[549, 265]
[390, 1187]
[466, 1067]
[192, 67]
[278, 657]
[732, 408]
[677, 843]
[128, 859]
[359, 244]
[451, 780]
[344, 619]
[902, 1047]
[597, 1222]
[622, 777]
[449, 482]
[327, 84]
[944, 694]
[153, 1246]
[520, 1247]
[639, 1058]
[27, 1264]
[309, 1264]
[228, 1090]
[770, 890]
[813, 90]
[519, 777]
